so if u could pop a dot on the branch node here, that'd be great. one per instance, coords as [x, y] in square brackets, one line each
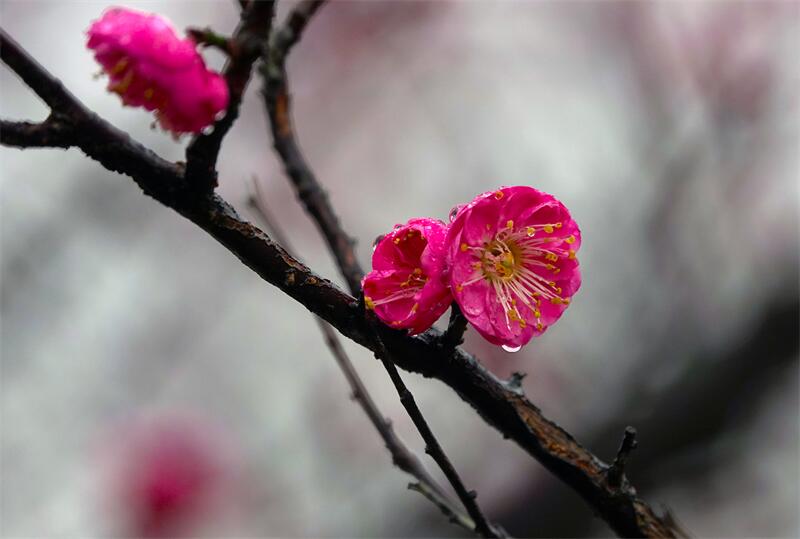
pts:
[616, 472]
[456, 327]
[206, 37]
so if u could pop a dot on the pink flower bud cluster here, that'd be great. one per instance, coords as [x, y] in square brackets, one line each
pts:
[508, 259]
[150, 66]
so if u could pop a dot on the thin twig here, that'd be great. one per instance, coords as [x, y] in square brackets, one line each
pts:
[243, 48]
[510, 412]
[456, 517]
[307, 188]
[320, 210]
[434, 449]
[402, 456]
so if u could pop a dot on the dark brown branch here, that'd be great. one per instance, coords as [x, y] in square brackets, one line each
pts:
[243, 49]
[510, 412]
[51, 133]
[402, 456]
[46, 86]
[307, 188]
[434, 449]
[616, 471]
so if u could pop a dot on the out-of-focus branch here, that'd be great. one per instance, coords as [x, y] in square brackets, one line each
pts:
[277, 102]
[402, 456]
[434, 449]
[501, 406]
[307, 188]
[243, 48]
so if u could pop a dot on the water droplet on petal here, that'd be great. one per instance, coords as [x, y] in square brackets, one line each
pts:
[207, 130]
[377, 241]
[511, 349]
[454, 213]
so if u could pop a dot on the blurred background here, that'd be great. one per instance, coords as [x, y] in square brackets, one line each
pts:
[154, 386]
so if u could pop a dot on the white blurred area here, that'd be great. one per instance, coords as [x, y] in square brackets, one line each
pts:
[669, 129]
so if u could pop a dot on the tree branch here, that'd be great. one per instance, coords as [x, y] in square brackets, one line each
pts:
[307, 188]
[51, 133]
[244, 48]
[323, 215]
[402, 456]
[510, 412]
[434, 449]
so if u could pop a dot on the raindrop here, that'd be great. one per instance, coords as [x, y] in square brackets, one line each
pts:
[531, 231]
[454, 212]
[511, 349]
[377, 241]
[207, 130]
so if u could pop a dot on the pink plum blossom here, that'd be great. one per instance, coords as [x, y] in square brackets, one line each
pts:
[150, 66]
[511, 263]
[406, 288]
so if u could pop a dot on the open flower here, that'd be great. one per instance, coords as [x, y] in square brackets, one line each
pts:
[150, 66]
[406, 288]
[512, 266]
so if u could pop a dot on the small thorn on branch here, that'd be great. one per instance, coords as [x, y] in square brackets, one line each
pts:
[616, 471]
[515, 381]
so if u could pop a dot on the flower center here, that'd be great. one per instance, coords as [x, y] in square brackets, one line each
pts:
[518, 265]
[501, 260]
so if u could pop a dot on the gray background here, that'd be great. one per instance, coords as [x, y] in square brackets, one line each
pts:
[670, 130]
